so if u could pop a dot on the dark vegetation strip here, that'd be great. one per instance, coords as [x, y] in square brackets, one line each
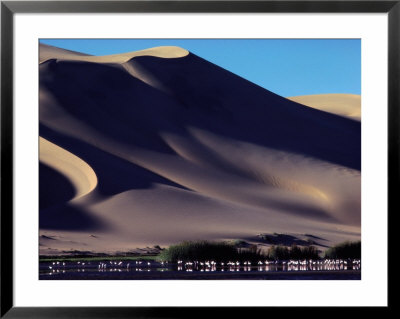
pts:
[344, 251]
[225, 251]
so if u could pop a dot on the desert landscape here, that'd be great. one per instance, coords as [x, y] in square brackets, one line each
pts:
[147, 149]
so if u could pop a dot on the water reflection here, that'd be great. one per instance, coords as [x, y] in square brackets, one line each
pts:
[120, 266]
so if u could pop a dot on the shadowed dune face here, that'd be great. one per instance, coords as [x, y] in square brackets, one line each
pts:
[53, 187]
[166, 147]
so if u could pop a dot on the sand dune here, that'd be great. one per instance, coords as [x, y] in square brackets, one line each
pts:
[348, 105]
[48, 52]
[79, 173]
[162, 146]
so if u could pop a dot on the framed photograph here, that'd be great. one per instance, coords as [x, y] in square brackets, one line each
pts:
[163, 155]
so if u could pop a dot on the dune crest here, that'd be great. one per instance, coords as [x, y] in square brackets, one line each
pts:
[48, 52]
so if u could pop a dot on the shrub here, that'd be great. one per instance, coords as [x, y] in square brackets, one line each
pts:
[294, 252]
[205, 250]
[344, 250]
[278, 253]
[309, 252]
[252, 254]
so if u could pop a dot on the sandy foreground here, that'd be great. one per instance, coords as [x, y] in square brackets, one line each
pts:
[159, 146]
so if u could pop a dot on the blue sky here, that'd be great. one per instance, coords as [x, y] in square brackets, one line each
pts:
[288, 67]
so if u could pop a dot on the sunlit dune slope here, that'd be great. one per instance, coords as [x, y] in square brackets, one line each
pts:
[81, 176]
[183, 149]
[348, 105]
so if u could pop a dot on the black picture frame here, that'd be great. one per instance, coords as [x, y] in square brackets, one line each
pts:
[9, 8]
